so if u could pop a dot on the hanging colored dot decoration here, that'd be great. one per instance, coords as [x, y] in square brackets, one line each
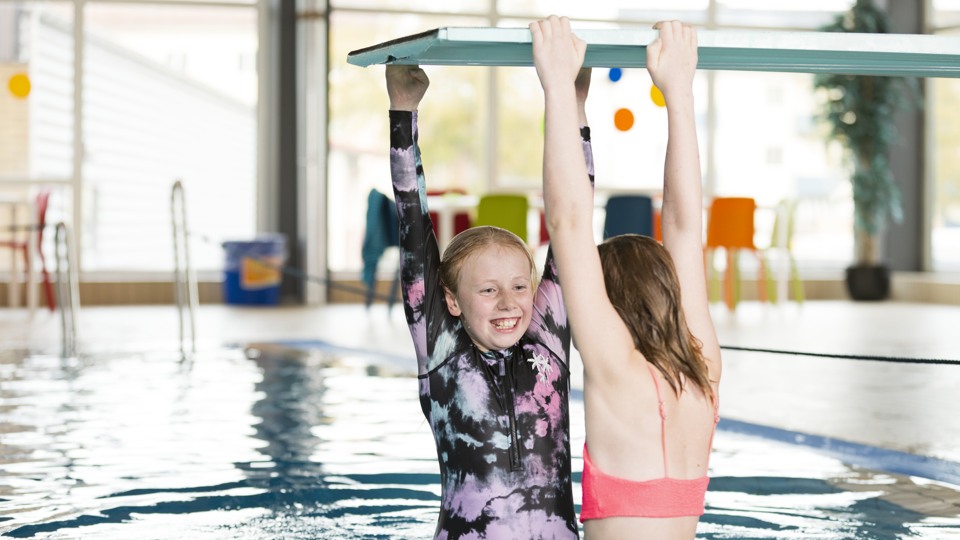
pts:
[657, 96]
[19, 85]
[623, 119]
[615, 74]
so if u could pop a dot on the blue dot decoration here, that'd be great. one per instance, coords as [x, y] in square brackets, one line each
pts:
[615, 74]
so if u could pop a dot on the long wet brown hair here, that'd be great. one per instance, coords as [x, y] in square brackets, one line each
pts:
[472, 240]
[642, 285]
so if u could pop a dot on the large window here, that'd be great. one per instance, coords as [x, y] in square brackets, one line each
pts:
[452, 120]
[768, 145]
[619, 11]
[481, 128]
[168, 92]
[943, 115]
[945, 225]
[36, 110]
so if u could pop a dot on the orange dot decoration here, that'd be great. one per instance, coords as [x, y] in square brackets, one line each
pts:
[19, 85]
[657, 96]
[623, 119]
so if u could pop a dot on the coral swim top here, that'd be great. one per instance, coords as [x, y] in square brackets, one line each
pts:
[609, 496]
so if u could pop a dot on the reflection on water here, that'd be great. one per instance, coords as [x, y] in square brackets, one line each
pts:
[293, 445]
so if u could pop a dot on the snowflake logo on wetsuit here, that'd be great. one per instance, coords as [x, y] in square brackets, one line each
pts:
[542, 366]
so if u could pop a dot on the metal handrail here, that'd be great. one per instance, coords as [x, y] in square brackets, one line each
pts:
[185, 279]
[68, 287]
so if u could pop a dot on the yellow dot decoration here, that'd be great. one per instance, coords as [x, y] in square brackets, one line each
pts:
[623, 119]
[19, 85]
[657, 96]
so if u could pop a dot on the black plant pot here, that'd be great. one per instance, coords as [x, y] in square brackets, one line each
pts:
[868, 282]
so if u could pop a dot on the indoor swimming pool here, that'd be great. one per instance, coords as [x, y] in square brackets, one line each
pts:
[311, 444]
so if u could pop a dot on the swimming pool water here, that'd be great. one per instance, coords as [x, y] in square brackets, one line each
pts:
[309, 445]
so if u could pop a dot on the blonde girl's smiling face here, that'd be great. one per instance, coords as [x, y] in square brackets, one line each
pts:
[494, 298]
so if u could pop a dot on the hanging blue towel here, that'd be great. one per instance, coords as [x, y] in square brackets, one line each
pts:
[383, 231]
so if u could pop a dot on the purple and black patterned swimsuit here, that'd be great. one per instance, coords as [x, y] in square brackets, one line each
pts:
[500, 419]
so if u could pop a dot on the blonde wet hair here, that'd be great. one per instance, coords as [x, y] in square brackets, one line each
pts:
[470, 242]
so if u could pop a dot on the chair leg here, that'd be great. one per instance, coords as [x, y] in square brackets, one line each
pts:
[769, 282]
[713, 285]
[48, 292]
[731, 280]
[47, 286]
[394, 290]
[15, 279]
[797, 284]
[761, 282]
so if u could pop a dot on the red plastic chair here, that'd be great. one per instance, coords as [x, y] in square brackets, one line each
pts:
[544, 233]
[41, 203]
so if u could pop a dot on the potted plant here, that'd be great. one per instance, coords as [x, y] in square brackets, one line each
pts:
[859, 111]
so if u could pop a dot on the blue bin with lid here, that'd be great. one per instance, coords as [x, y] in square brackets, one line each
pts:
[253, 270]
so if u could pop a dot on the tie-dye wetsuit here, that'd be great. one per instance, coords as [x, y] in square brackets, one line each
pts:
[500, 419]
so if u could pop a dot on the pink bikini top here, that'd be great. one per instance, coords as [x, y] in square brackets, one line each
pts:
[609, 496]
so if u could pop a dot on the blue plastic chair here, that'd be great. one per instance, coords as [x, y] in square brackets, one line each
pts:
[628, 214]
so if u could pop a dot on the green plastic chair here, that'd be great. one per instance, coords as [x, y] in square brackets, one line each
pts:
[507, 211]
[785, 212]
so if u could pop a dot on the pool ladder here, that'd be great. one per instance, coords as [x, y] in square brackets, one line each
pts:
[68, 288]
[185, 279]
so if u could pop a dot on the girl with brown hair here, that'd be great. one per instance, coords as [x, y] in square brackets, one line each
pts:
[638, 310]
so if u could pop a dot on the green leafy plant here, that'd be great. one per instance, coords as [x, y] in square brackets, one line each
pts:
[859, 110]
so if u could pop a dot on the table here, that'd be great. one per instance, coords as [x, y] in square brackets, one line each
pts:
[447, 206]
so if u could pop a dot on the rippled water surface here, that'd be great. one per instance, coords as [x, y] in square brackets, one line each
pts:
[314, 446]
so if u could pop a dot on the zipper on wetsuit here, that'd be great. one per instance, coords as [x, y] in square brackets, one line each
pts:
[516, 463]
[506, 397]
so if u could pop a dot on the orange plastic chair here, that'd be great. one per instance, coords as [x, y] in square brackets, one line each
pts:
[730, 227]
[40, 206]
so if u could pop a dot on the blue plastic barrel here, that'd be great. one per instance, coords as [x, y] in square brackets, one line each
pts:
[253, 270]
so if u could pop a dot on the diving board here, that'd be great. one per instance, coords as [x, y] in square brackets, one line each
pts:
[909, 55]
